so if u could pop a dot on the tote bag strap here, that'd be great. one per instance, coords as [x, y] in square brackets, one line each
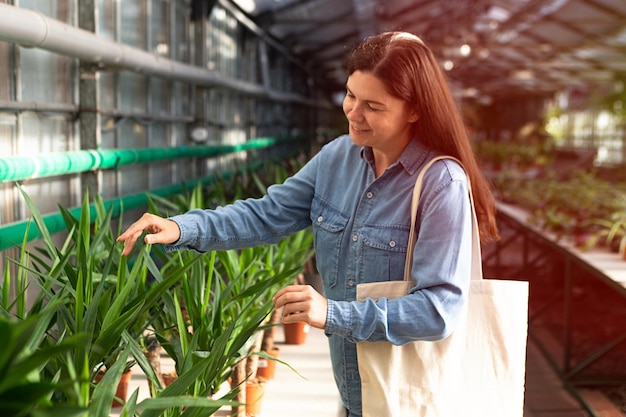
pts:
[477, 267]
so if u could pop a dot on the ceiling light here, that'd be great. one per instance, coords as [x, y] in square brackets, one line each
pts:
[448, 65]
[470, 92]
[248, 6]
[162, 49]
[199, 133]
[465, 49]
[523, 75]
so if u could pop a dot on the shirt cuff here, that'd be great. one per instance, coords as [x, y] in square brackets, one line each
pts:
[183, 236]
[338, 318]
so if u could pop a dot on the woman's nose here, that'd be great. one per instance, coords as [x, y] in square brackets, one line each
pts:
[353, 112]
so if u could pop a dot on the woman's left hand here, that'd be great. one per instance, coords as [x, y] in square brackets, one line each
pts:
[302, 303]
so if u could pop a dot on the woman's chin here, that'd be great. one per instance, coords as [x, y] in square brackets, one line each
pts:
[359, 137]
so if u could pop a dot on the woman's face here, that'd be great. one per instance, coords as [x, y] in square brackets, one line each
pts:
[376, 118]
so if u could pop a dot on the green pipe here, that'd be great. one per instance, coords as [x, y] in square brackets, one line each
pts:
[12, 235]
[16, 168]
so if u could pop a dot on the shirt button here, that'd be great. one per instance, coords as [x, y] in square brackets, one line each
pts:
[351, 283]
[320, 219]
[392, 244]
[355, 238]
[369, 195]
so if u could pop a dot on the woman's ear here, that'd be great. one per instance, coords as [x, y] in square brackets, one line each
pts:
[413, 117]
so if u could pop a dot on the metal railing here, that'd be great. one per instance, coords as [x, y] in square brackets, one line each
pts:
[13, 234]
[577, 309]
[16, 168]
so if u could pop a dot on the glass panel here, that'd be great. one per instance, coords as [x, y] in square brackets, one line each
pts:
[108, 184]
[159, 96]
[5, 71]
[55, 83]
[182, 169]
[222, 43]
[107, 90]
[106, 16]
[133, 24]
[159, 27]
[132, 91]
[181, 100]
[134, 178]
[43, 135]
[52, 85]
[7, 133]
[57, 9]
[181, 35]
[108, 139]
[160, 172]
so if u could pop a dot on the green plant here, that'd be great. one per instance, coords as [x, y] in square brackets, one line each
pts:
[26, 350]
[611, 231]
[223, 288]
[102, 297]
[565, 208]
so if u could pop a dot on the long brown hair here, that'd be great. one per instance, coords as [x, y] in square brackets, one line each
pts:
[411, 72]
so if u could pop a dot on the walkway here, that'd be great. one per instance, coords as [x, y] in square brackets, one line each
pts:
[289, 395]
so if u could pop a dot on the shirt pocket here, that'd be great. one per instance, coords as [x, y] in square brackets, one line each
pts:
[384, 253]
[329, 225]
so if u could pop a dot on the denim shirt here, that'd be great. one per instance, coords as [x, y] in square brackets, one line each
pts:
[361, 225]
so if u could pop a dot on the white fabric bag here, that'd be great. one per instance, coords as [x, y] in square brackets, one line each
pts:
[477, 371]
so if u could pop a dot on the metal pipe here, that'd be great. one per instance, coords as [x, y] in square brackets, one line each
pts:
[16, 168]
[31, 28]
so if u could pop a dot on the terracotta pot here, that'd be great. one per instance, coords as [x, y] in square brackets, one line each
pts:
[267, 367]
[255, 390]
[295, 333]
[167, 378]
[122, 387]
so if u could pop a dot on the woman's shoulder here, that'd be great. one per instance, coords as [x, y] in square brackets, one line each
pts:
[340, 149]
[444, 171]
[444, 165]
[340, 142]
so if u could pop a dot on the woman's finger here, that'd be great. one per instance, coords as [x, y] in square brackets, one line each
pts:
[159, 230]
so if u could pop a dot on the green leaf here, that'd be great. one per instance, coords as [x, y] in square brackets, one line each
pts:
[104, 392]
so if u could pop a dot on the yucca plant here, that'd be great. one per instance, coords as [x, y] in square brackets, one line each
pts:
[227, 297]
[104, 300]
[224, 288]
[26, 350]
[292, 253]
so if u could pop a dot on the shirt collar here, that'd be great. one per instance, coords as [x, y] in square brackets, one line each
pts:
[413, 156]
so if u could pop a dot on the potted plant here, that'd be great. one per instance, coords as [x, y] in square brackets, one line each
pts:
[612, 231]
[26, 349]
[104, 300]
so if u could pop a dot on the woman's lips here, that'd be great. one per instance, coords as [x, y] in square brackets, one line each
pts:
[357, 130]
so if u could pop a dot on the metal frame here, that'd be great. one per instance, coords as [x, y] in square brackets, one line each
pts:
[528, 254]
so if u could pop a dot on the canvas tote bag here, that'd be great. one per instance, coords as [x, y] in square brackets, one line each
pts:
[478, 370]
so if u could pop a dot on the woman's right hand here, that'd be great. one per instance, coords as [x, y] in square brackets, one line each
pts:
[159, 230]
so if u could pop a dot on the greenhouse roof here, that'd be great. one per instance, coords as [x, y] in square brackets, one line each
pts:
[490, 48]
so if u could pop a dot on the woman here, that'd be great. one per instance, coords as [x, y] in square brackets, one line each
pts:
[356, 193]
